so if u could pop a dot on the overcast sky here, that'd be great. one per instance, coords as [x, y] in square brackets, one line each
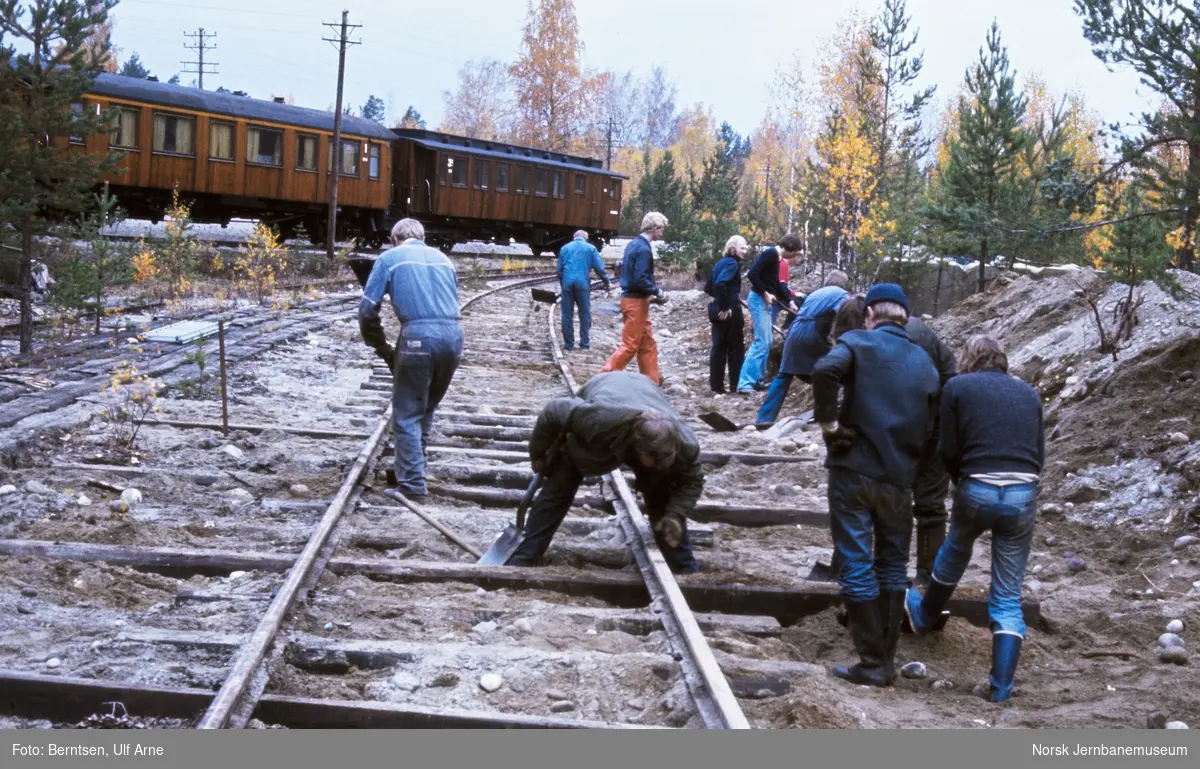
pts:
[725, 57]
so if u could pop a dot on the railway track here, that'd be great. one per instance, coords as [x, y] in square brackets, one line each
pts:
[273, 583]
[676, 662]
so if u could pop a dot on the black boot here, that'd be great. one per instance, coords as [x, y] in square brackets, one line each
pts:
[891, 613]
[925, 615]
[1006, 650]
[866, 628]
[929, 541]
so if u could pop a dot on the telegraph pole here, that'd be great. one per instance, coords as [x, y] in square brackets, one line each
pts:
[200, 48]
[336, 152]
[608, 163]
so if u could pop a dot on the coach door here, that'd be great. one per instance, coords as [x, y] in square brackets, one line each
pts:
[424, 181]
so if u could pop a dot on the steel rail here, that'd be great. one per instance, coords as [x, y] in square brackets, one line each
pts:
[251, 654]
[714, 698]
[244, 670]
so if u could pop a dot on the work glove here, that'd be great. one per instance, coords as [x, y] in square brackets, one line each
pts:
[387, 354]
[669, 530]
[838, 439]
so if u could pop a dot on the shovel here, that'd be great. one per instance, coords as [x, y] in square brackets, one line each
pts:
[542, 295]
[506, 544]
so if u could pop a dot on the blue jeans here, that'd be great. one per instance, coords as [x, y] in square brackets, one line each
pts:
[1009, 513]
[872, 530]
[427, 355]
[576, 294]
[754, 368]
[776, 393]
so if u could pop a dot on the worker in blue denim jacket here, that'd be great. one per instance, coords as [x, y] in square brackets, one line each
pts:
[423, 287]
[575, 261]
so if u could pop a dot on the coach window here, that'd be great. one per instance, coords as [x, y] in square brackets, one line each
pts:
[481, 174]
[76, 113]
[348, 158]
[125, 135]
[306, 152]
[454, 169]
[174, 134]
[502, 177]
[615, 192]
[264, 146]
[373, 165]
[580, 184]
[220, 140]
[543, 183]
[524, 180]
[560, 184]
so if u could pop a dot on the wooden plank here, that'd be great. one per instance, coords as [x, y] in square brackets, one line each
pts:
[786, 604]
[704, 511]
[309, 432]
[70, 700]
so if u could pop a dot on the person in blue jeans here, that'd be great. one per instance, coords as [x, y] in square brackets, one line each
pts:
[423, 287]
[806, 342]
[575, 260]
[993, 446]
[874, 441]
[767, 294]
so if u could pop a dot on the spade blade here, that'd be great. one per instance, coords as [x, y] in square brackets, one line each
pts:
[718, 422]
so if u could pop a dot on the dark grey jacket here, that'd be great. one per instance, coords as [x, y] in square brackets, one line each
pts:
[890, 399]
[596, 433]
[923, 336]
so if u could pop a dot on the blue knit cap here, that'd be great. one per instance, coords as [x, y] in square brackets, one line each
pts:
[886, 292]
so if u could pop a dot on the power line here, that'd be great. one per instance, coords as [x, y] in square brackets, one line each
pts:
[335, 161]
[200, 48]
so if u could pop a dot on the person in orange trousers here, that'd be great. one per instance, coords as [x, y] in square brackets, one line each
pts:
[637, 290]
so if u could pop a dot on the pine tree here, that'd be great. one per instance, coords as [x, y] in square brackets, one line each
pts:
[714, 199]
[980, 184]
[1161, 42]
[38, 86]
[134, 67]
[411, 119]
[374, 109]
[660, 190]
[892, 70]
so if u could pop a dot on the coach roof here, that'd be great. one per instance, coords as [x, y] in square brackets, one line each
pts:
[195, 99]
[502, 151]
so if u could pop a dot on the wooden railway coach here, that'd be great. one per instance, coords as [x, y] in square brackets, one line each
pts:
[462, 189]
[234, 156]
[237, 157]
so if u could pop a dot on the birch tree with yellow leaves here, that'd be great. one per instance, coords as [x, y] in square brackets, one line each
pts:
[553, 91]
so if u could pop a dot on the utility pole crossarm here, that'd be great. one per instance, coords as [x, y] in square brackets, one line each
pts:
[200, 47]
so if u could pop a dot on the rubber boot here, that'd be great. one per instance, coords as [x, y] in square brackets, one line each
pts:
[866, 629]
[929, 541]
[1006, 650]
[927, 614]
[891, 613]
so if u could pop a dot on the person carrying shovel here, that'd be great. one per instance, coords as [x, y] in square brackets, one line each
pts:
[618, 418]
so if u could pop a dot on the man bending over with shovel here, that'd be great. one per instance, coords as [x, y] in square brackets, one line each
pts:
[618, 418]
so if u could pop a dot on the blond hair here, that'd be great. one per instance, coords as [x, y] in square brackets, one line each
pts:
[888, 312]
[735, 242]
[653, 220]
